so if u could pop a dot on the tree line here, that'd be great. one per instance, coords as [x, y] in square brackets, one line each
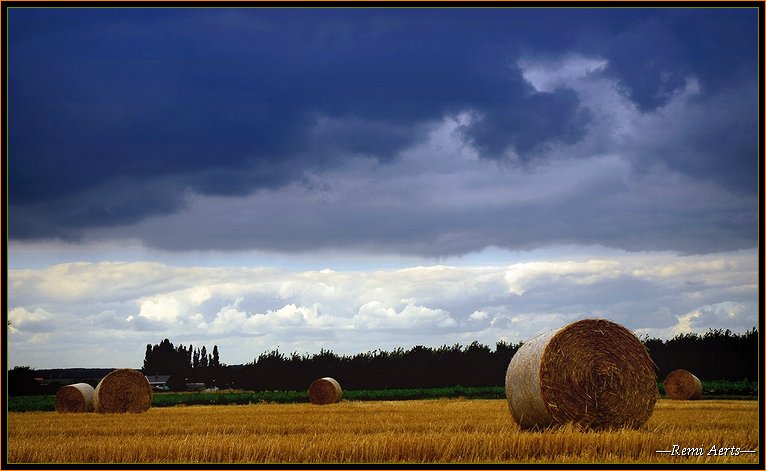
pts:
[716, 355]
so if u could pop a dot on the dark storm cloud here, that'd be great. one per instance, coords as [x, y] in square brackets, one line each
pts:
[119, 201]
[653, 57]
[537, 119]
[116, 114]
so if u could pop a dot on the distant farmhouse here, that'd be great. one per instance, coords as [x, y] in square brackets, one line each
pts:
[159, 382]
[51, 380]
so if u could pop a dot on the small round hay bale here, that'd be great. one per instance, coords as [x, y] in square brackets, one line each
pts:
[593, 373]
[683, 385]
[325, 391]
[75, 398]
[123, 390]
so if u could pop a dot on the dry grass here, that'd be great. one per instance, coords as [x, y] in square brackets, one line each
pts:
[429, 431]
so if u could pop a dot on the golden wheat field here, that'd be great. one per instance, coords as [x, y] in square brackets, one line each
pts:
[426, 431]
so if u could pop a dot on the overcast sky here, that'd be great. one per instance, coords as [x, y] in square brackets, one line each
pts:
[361, 179]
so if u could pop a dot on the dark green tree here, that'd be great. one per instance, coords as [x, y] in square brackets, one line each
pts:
[148, 359]
[165, 359]
[21, 381]
[189, 356]
[195, 359]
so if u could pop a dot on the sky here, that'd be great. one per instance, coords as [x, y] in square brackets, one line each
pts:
[360, 179]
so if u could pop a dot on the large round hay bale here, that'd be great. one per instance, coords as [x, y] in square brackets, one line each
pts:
[683, 385]
[75, 398]
[593, 373]
[123, 390]
[325, 391]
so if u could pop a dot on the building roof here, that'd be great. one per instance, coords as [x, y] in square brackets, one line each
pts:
[157, 379]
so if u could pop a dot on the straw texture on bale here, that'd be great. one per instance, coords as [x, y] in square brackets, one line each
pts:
[593, 373]
[123, 390]
[683, 385]
[75, 398]
[325, 391]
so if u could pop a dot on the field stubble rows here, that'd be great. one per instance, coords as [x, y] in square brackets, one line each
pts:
[420, 431]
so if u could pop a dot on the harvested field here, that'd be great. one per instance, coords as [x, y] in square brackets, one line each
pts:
[420, 431]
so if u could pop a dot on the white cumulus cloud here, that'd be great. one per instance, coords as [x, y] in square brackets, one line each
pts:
[246, 311]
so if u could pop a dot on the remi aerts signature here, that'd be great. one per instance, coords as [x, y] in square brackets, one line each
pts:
[677, 450]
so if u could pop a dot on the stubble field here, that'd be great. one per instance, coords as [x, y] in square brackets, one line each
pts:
[420, 431]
